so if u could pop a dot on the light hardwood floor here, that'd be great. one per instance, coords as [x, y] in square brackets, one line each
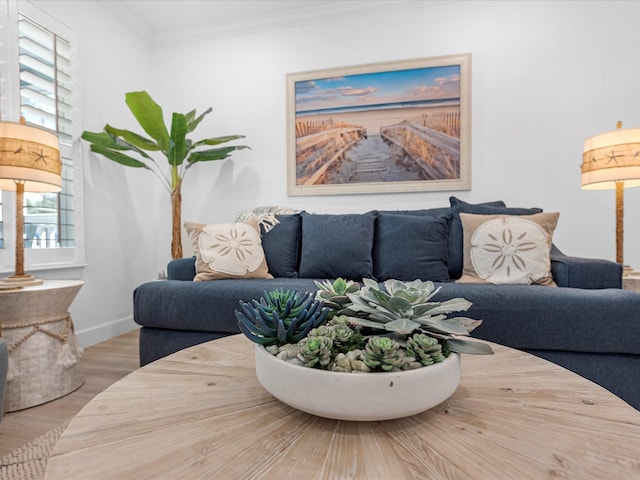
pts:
[102, 365]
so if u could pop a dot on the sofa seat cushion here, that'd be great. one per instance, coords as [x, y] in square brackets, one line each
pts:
[203, 306]
[520, 316]
[409, 247]
[537, 317]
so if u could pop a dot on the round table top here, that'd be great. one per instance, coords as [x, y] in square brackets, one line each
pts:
[201, 413]
[44, 286]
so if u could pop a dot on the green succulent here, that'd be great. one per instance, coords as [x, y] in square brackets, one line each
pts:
[348, 336]
[427, 350]
[342, 334]
[407, 307]
[315, 351]
[383, 352]
[280, 317]
[339, 320]
[334, 294]
[323, 331]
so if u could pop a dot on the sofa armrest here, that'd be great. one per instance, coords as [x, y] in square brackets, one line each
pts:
[589, 273]
[182, 269]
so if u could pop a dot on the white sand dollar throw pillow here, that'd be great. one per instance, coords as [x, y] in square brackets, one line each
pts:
[508, 249]
[227, 250]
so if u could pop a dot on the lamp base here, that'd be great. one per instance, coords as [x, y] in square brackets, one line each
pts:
[19, 281]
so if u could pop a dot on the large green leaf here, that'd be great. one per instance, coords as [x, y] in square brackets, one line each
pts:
[190, 116]
[118, 157]
[193, 122]
[218, 140]
[133, 138]
[104, 140]
[149, 115]
[178, 148]
[213, 154]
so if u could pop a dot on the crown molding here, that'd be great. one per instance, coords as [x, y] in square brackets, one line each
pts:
[120, 10]
[304, 13]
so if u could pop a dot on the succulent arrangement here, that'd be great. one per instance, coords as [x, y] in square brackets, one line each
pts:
[344, 327]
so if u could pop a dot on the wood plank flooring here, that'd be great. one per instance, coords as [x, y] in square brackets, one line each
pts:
[102, 365]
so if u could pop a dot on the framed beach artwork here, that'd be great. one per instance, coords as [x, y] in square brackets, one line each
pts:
[390, 127]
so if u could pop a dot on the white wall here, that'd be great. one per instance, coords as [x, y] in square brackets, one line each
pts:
[119, 211]
[545, 76]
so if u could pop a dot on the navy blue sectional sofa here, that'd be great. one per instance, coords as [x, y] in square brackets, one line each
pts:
[588, 324]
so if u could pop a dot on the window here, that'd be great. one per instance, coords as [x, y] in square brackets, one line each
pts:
[45, 101]
[1, 225]
[43, 62]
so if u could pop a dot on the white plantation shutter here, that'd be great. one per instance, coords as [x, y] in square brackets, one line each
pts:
[39, 84]
[45, 101]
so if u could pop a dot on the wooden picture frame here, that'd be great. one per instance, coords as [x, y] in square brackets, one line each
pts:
[389, 127]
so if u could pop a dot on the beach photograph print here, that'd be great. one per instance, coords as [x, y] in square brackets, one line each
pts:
[392, 127]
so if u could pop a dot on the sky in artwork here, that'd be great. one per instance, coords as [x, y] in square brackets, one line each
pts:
[378, 88]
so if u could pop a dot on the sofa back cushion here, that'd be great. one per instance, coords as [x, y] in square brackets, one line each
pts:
[429, 212]
[409, 247]
[281, 246]
[337, 246]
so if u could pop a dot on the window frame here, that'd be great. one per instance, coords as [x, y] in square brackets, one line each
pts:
[38, 259]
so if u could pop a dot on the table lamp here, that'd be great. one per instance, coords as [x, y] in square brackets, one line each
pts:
[612, 160]
[29, 162]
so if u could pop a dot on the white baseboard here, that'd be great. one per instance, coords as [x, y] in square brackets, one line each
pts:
[100, 333]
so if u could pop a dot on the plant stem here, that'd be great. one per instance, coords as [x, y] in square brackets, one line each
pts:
[176, 207]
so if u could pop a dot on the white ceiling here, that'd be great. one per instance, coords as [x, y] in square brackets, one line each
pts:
[162, 22]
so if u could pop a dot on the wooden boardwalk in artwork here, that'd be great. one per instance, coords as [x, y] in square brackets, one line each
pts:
[406, 151]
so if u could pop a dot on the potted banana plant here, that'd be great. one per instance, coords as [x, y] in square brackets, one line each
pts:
[134, 150]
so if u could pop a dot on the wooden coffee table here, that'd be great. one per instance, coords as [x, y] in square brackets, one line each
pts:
[201, 413]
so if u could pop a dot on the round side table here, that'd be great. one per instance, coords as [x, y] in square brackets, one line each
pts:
[43, 348]
[631, 281]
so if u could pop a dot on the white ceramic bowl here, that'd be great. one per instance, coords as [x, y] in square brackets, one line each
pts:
[358, 396]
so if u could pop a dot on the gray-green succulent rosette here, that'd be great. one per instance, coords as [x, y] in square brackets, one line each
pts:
[347, 328]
